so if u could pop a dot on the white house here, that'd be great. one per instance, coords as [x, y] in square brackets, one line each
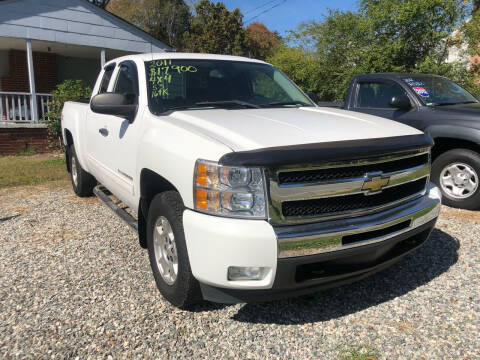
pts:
[43, 42]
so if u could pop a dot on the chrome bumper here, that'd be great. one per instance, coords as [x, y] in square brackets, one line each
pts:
[328, 236]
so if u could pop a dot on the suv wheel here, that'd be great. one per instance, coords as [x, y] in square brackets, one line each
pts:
[457, 173]
[167, 251]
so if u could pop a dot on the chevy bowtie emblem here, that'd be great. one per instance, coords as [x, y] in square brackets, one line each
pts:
[375, 183]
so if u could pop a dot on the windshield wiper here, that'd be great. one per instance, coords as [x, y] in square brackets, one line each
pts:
[211, 104]
[183, 107]
[228, 102]
[454, 103]
[284, 103]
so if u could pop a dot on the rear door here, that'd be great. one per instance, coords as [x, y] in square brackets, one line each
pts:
[373, 97]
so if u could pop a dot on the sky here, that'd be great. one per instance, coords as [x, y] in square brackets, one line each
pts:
[289, 14]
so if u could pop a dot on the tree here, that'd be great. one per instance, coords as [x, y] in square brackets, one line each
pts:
[382, 36]
[472, 35]
[214, 29]
[301, 66]
[260, 40]
[100, 3]
[166, 20]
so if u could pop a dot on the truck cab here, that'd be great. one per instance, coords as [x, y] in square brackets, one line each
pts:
[239, 186]
[438, 107]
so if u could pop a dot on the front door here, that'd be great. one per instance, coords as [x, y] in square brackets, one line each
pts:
[123, 135]
[373, 97]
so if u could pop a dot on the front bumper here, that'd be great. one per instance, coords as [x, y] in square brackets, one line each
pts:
[302, 258]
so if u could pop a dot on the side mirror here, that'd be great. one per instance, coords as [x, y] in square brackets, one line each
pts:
[115, 104]
[314, 97]
[400, 102]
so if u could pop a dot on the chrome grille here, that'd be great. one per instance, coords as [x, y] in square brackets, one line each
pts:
[338, 204]
[337, 190]
[311, 176]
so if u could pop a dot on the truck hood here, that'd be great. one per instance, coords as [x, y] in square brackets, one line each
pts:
[251, 129]
[472, 108]
[462, 114]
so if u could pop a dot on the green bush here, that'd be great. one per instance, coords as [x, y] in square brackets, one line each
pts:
[69, 90]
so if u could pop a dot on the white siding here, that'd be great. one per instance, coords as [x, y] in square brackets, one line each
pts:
[72, 22]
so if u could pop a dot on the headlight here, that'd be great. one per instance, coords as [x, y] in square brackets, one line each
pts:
[229, 191]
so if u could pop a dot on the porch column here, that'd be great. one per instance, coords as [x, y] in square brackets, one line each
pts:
[102, 57]
[31, 80]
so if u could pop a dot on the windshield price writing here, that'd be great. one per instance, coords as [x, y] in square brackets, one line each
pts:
[161, 75]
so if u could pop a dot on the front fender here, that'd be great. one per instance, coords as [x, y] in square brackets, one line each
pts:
[456, 132]
[171, 152]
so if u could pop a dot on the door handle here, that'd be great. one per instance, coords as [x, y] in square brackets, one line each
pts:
[103, 131]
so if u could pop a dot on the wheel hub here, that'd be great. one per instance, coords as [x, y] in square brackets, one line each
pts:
[459, 180]
[165, 250]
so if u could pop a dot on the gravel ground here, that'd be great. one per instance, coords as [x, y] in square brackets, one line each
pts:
[75, 283]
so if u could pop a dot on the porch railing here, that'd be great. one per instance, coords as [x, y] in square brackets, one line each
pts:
[16, 107]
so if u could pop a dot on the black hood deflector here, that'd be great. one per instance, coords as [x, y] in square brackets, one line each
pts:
[325, 152]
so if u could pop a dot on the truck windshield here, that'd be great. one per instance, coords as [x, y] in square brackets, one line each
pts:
[438, 91]
[186, 84]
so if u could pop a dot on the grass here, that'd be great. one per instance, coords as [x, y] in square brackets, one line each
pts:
[358, 353]
[32, 170]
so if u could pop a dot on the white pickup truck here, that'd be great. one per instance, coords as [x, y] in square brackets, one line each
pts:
[241, 188]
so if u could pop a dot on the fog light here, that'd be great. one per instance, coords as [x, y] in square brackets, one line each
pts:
[435, 193]
[247, 273]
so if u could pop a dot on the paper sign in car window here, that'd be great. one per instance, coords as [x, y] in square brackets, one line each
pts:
[421, 91]
[414, 82]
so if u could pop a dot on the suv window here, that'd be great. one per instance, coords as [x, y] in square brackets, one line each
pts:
[377, 94]
[107, 75]
[127, 79]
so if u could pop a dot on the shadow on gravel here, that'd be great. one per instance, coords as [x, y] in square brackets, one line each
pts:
[417, 268]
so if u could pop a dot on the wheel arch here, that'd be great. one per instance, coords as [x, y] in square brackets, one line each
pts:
[151, 184]
[68, 141]
[444, 144]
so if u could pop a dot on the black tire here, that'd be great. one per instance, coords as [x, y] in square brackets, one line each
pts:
[84, 183]
[185, 290]
[459, 156]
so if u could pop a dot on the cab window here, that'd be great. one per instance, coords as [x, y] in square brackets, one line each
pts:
[127, 79]
[377, 94]
[107, 75]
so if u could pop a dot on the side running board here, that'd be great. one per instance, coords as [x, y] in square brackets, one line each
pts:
[103, 194]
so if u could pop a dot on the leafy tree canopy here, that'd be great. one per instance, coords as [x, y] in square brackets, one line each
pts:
[101, 3]
[216, 30]
[300, 65]
[382, 36]
[166, 20]
[260, 40]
